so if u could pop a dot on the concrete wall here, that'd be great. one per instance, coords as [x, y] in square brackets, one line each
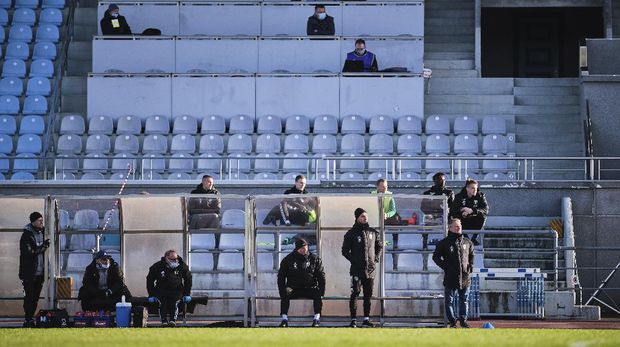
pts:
[603, 56]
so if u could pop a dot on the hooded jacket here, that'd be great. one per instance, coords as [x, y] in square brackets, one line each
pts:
[455, 256]
[115, 282]
[478, 203]
[165, 281]
[30, 253]
[362, 246]
[300, 271]
[213, 205]
[114, 26]
[320, 27]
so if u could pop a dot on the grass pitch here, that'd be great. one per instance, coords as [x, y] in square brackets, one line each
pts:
[293, 337]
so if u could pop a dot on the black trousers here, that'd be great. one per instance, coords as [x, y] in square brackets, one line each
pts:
[168, 307]
[98, 303]
[302, 293]
[474, 223]
[32, 290]
[357, 284]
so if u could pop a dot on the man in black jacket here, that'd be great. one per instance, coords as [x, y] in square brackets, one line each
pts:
[471, 207]
[169, 281]
[362, 246]
[433, 209]
[32, 247]
[439, 188]
[301, 275]
[113, 23]
[103, 284]
[320, 23]
[211, 205]
[294, 211]
[455, 255]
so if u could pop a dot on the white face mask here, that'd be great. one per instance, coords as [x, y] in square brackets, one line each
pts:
[103, 266]
[322, 16]
[115, 14]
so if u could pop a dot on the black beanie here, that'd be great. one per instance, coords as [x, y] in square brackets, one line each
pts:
[112, 7]
[358, 212]
[34, 216]
[300, 243]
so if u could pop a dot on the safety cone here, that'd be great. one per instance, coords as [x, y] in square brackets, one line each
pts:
[488, 325]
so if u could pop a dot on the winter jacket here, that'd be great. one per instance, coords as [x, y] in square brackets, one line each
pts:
[30, 253]
[115, 282]
[441, 191]
[300, 271]
[162, 280]
[362, 246]
[478, 203]
[114, 26]
[320, 27]
[211, 205]
[455, 255]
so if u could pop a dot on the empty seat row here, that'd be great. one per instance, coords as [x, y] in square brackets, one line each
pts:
[21, 50]
[35, 86]
[31, 124]
[27, 143]
[28, 16]
[22, 33]
[38, 68]
[6, 4]
[33, 104]
[26, 162]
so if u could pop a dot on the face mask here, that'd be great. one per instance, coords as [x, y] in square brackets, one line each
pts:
[172, 264]
[103, 266]
[322, 16]
[360, 51]
[115, 15]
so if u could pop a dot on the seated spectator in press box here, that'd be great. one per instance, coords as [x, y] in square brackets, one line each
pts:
[471, 207]
[360, 60]
[103, 284]
[168, 283]
[113, 23]
[320, 23]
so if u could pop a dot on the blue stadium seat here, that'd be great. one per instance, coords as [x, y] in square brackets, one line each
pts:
[373, 177]
[60, 4]
[2, 37]
[39, 86]
[265, 162]
[17, 50]
[185, 125]
[22, 176]
[120, 176]
[290, 177]
[409, 165]
[121, 163]
[35, 104]
[63, 164]
[465, 125]
[379, 165]
[29, 143]
[437, 143]
[435, 165]
[44, 50]
[494, 165]
[27, 3]
[239, 143]
[129, 125]
[151, 176]
[495, 176]
[155, 144]
[295, 162]
[8, 125]
[466, 143]
[325, 124]
[352, 143]
[41, 68]
[9, 104]
[183, 143]
[409, 144]
[269, 124]
[353, 124]
[381, 143]
[241, 124]
[296, 143]
[6, 144]
[265, 176]
[126, 143]
[70, 144]
[211, 144]
[32, 124]
[297, 124]
[493, 125]
[20, 33]
[157, 125]
[24, 16]
[4, 17]
[6, 4]
[48, 33]
[268, 143]
[95, 163]
[72, 124]
[208, 162]
[324, 143]
[26, 162]
[181, 162]
[351, 176]
[101, 125]
[50, 16]
[98, 143]
[437, 125]
[179, 176]
[14, 68]
[152, 164]
[11, 86]
[213, 125]
[381, 125]
[4, 163]
[495, 144]
[236, 163]
[352, 165]
[92, 176]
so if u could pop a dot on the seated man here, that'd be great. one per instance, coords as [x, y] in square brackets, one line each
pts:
[320, 23]
[113, 23]
[389, 205]
[169, 281]
[103, 284]
[471, 207]
[294, 211]
[301, 275]
[360, 60]
[204, 212]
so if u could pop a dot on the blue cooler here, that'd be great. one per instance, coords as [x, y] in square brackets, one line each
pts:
[123, 313]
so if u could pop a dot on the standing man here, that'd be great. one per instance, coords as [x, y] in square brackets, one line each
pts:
[367, 58]
[169, 281]
[320, 23]
[362, 247]
[103, 284]
[301, 275]
[32, 247]
[113, 23]
[432, 208]
[455, 255]
[471, 207]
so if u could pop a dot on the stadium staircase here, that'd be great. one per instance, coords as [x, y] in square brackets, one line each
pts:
[616, 18]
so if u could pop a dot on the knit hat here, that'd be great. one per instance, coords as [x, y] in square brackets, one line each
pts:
[102, 254]
[358, 212]
[34, 216]
[299, 243]
[112, 7]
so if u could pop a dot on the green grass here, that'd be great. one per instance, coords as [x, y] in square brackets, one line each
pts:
[294, 337]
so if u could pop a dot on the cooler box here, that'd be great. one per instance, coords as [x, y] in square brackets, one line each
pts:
[123, 313]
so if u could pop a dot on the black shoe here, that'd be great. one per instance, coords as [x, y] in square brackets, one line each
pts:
[316, 323]
[284, 324]
[172, 324]
[164, 324]
[452, 325]
[464, 324]
[367, 323]
[353, 324]
[29, 324]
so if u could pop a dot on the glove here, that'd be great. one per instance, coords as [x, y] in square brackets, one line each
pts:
[108, 292]
[46, 243]
[187, 299]
[153, 299]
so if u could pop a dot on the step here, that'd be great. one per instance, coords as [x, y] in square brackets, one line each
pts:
[462, 22]
[542, 264]
[467, 109]
[448, 56]
[473, 86]
[548, 130]
[460, 64]
[72, 85]
[554, 164]
[543, 91]
[454, 73]
[451, 38]
[532, 149]
[547, 109]
[449, 47]
[546, 82]
[431, 30]
[79, 67]
[543, 120]
[86, 16]
[88, 3]
[554, 138]
[518, 243]
[74, 103]
[547, 100]
[80, 50]
[449, 13]
[84, 32]
[464, 5]
[469, 99]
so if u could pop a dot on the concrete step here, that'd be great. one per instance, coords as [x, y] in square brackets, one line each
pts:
[449, 13]
[491, 243]
[469, 99]
[86, 16]
[459, 108]
[450, 38]
[460, 5]
[546, 109]
[454, 73]
[543, 120]
[554, 164]
[544, 91]
[471, 86]
[72, 85]
[430, 30]
[84, 32]
[74, 104]
[558, 137]
[80, 50]
[460, 64]
[512, 263]
[546, 82]
[521, 253]
[88, 3]
[547, 100]
[448, 56]
[449, 47]
[463, 22]
[79, 67]
[541, 149]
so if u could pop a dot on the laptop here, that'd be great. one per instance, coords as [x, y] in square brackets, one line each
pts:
[353, 66]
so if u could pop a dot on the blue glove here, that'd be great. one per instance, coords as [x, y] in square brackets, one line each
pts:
[152, 299]
[187, 299]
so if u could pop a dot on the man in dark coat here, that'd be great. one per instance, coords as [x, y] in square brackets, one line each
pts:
[113, 23]
[103, 284]
[294, 211]
[362, 246]
[455, 255]
[169, 281]
[206, 205]
[320, 23]
[301, 275]
[32, 247]
[439, 188]
[433, 209]
[471, 207]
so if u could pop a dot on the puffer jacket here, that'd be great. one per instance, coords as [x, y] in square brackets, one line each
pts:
[362, 246]
[455, 255]
[299, 271]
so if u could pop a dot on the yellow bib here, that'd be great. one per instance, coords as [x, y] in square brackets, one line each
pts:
[115, 23]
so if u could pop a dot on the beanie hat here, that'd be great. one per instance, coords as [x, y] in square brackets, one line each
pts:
[34, 216]
[112, 7]
[358, 212]
[102, 254]
[299, 243]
